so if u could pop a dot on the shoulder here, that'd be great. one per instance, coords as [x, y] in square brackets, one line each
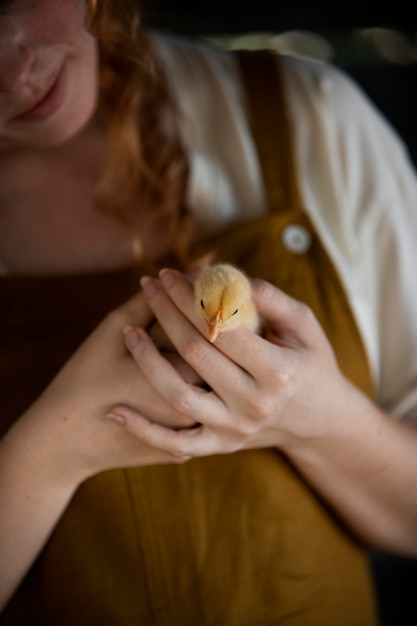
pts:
[348, 154]
[193, 65]
[224, 184]
[335, 123]
[199, 69]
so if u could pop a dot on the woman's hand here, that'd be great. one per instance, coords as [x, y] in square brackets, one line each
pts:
[267, 391]
[67, 436]
[69, 430]
[282, 390]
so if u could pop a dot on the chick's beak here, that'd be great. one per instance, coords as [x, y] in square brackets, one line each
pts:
[214, 324]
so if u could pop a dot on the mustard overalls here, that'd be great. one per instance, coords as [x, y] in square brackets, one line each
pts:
[234, 540]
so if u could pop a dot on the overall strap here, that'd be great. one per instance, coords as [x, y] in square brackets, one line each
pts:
[261, 75]
[309, 276]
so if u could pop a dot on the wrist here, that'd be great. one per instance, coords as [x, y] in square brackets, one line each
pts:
[34, 448]
[343, 418]
[33, 497]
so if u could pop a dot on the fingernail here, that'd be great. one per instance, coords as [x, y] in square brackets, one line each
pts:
[131, 338]
[119, 419]
[148, 285]
[143, 280]
[167, 277]
[192, 274]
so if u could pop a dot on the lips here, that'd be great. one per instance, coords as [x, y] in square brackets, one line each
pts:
[48, 103]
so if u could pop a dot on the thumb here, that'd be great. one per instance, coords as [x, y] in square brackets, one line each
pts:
[137, 311]
[286, 317]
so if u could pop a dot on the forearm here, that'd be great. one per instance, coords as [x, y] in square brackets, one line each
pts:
[367, 471]
[32, 500]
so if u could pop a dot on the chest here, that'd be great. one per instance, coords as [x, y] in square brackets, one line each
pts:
[49, 222]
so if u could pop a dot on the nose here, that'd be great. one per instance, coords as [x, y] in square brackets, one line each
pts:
[16, 62]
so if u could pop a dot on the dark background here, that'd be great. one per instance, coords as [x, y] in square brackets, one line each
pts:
[392, 86]
[229, 16]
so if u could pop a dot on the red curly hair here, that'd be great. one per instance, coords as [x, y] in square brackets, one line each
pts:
[146, 163]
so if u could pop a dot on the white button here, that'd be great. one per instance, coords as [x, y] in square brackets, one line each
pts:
[296, 238]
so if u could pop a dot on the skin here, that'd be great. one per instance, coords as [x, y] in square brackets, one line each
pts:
[284, 390]
[42, 41]
[107, 408]
[67, 436]
[49, 225]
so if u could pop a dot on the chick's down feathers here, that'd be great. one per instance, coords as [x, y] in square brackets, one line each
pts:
[223, 299]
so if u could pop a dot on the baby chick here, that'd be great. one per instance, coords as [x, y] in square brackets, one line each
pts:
[223, 299]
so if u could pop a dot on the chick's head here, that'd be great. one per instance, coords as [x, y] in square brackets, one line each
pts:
[221, 294]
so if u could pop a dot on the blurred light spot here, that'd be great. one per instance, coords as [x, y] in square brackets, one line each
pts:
[304, 44]
[294, 43]
[391, 45]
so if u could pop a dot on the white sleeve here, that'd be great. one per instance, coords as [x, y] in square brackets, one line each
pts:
[360, 189]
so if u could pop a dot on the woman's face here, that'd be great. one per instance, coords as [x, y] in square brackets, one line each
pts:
[48, 72]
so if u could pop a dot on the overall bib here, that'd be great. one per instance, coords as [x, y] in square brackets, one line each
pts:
[227, 540]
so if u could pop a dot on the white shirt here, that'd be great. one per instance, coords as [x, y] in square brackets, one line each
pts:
[355, 177]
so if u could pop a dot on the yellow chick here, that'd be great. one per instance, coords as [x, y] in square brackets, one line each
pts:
[223, 299]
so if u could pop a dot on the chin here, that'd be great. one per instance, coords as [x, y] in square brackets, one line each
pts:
[65, 125]
[55, 131]
[69, 128]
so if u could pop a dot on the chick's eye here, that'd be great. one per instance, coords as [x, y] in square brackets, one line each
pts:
[202, 304]
[237, 310]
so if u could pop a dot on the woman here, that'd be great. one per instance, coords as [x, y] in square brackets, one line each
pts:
[120, 153]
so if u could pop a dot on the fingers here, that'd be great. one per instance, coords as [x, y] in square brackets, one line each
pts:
[149, 433]
[185, 371]
[240, 364]
[253, 379]
[134, 311]
[171, 311]
[242, 347]
[290, 321]
[184, 399]
[172, 301]
[181, 445]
